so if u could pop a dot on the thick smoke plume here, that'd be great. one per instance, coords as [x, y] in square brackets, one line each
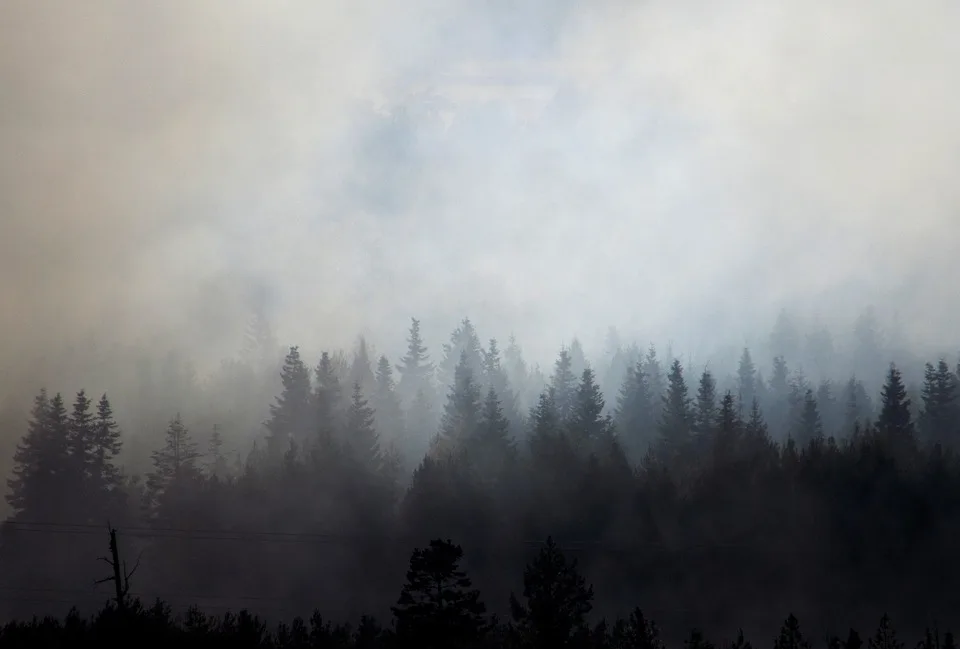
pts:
[682, 170]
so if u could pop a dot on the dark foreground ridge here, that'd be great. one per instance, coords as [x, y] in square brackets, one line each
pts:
[438, 608]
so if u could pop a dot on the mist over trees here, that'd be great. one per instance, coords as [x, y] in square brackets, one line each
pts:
[714, 496]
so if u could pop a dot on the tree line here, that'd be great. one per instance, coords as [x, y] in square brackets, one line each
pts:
[710, 501]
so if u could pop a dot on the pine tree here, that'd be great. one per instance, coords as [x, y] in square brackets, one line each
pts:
[938, 421]
[827, 406]
[517, 373]
[361, 436]
[746, 379]
[727, 427]
[756, 427]
[705, 415]
[895, 421]
[360, 371]
[809, 427]
[496, 377]
[587, 424]
[654, 372]
[544, 423]
[461, 414]
[438, 608]
[174, 465]
[290, 414]
[464, 344]
[416, 370]
[107, 446]
[80, 448]
[790, 636]
[675, 418]
[40, 460]
[557, 601]
[578, 360]
[563, 383]
[216, 460]
[386, 403]
[491, 448]
[885, 637]
[635, 414]
[857, 406]
[327, 402]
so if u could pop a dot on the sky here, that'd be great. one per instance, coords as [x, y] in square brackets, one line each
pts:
[166, 167]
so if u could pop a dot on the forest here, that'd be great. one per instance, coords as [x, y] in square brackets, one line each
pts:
[707, 500]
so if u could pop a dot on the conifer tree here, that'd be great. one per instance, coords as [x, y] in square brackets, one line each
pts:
[746, 379]
[675, 418]
[827, 407]
[389, 414]
[790, 636]
[587, 424]
[80, 448]
[756, 426]
[727, 427]
[491, 448]
[464, 344]
[857, 406]
[496, 377]
[654, 372]
[107, 446]
[216, 461]
[938, 421]
[518, 373]
[557, 601]
[174, 465]
[578, 360]
[885, 637]
[327, 402]
[564, 385]
[809, 427]
[290, 414]
[39, 457]
[705, 415]
[361, 436]
[416, 370]
[895, 421]
[635, 416]
[438, 607]
[544, 423]
[360, 370]
[461, 414]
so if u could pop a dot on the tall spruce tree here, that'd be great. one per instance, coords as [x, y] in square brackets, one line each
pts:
[360, 434]
[416, 370]
[746, 379]
[328, 403]
[491, 448]
[438, 606]
[80, 448]
[938, 421]
[461, 413]
[564, 385]
[809, 426]
[635, 416]
[895, 422]
[705, 415]
[588, 426]
[107, 446]
[39, 459]
[464, 344]
[386, 404]
[360, 369]
[557, 602]
[290, 414]
[676, 418]
[174, 464]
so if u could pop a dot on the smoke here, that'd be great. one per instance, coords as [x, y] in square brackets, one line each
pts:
[167, 167]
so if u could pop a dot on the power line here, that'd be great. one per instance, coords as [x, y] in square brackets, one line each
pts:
[273, 536]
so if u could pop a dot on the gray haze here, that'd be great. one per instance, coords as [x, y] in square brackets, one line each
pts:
[166, 168]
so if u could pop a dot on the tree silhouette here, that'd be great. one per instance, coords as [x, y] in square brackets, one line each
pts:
[438, 607]
[557, 602]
